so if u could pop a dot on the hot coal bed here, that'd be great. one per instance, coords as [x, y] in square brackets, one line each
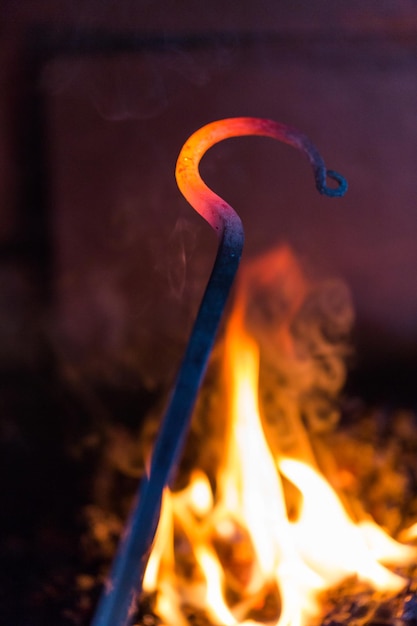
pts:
[73, 441]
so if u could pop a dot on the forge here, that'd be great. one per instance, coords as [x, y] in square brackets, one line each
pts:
[103, 265]
[225, 544]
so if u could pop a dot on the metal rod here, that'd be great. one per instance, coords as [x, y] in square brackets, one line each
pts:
[117, 603]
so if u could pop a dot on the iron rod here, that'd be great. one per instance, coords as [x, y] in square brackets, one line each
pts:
[117, 603]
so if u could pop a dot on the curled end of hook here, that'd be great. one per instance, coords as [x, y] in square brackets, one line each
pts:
[332, 192]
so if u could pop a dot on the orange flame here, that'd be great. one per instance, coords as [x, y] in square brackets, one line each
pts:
[289, 560]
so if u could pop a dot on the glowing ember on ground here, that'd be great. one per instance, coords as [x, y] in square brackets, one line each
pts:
[227, 544]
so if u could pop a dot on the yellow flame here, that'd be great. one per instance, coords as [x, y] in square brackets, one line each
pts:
[214, 576]
[163, 548]
[328, 540]
[297, 558]
[198, 495]
[253, 490]
[249, 492]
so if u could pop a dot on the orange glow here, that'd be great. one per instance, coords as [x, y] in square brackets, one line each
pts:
[239, 538]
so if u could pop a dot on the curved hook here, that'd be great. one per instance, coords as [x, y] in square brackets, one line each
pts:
[204, 200]
[117, 603]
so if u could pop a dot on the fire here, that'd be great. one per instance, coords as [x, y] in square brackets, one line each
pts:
[230, 548]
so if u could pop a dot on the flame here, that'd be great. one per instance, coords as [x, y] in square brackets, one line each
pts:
[241, 549]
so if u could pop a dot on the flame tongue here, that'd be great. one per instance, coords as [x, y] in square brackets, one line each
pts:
[245, 484]
[242, 550]
[329, 541]
[251, 488]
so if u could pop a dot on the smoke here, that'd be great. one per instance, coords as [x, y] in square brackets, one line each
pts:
[302, 329]
[134, 76]
[173, 264]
